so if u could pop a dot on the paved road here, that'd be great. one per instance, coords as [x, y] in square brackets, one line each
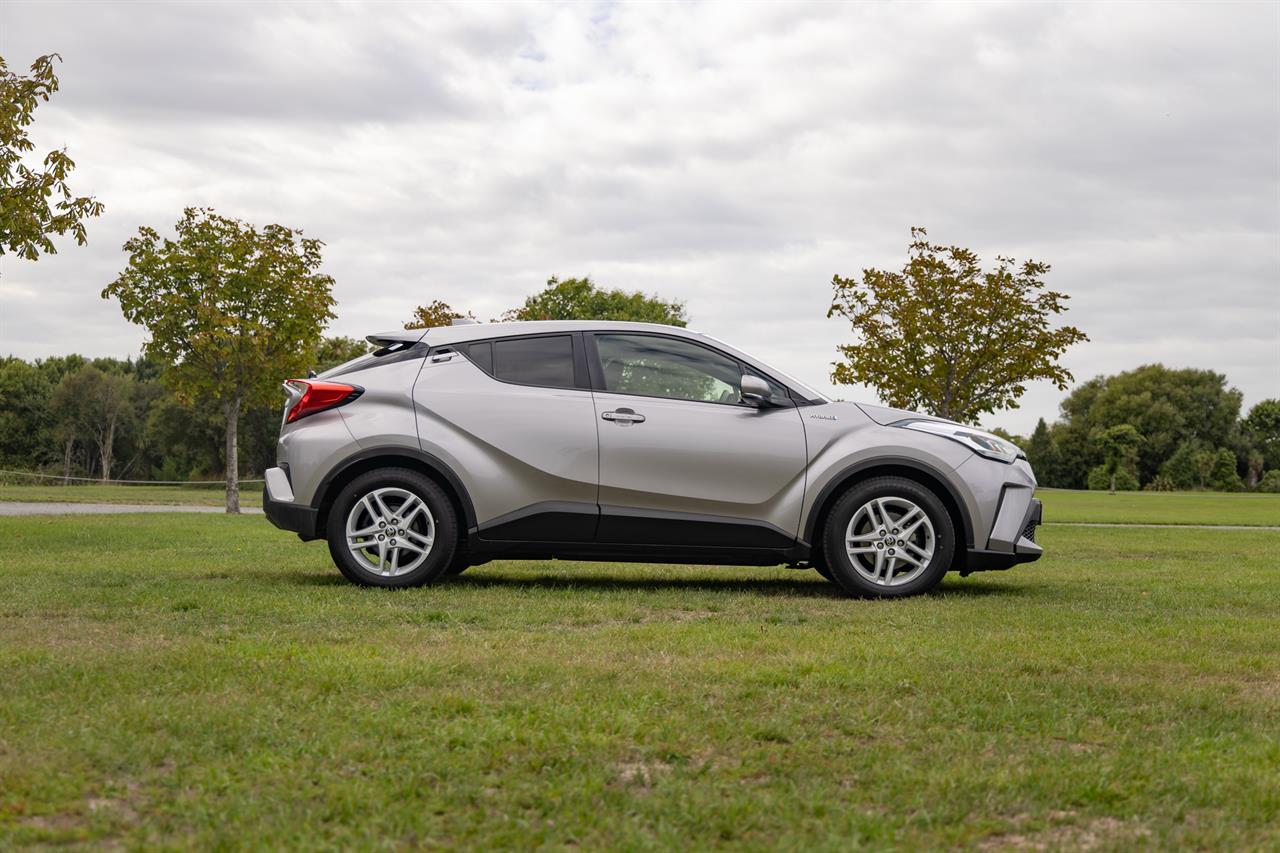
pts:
[51, 508]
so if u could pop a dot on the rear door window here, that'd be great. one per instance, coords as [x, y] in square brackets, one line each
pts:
[544, 361]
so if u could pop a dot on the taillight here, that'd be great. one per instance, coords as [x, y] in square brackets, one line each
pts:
[309, 396]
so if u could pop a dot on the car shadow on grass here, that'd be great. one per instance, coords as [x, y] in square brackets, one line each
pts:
[801, 586]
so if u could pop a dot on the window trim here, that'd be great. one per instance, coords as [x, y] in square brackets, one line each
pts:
[597, 369]
[581, 380]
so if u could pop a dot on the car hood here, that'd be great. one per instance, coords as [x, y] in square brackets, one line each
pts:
[884, 415]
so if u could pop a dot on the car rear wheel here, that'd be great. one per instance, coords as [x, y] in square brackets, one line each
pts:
[392, 527]
[889, 537]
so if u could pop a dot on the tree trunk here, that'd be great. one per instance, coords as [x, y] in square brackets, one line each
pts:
[233, 459]
[66, 460]
[1113, 483]
[105, 448]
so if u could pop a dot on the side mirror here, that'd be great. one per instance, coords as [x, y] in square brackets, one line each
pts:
[755, 391]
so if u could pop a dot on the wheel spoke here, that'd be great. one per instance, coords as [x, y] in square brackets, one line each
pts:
[907, 558]
[410, 509]
[888, 570]
[901, 523]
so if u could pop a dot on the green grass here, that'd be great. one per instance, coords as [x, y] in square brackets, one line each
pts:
[1059, 504]
[1253, 509]
[223, 687]
[250, 494]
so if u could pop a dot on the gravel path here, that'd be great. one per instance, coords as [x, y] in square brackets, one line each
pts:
[50, 508]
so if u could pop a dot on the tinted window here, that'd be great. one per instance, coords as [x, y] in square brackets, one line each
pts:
[482, 356]
[665, 367]
[535, 361]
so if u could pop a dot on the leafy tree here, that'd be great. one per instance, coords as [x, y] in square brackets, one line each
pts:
[1262, 429]
[66, 406]
[25, 420]
[1042, 453]
[432, 315]
[1119, 445]
[1223, 476]
[1180, 468]
[231, 309]
[28, 221]
[335, 350]
[582, 299]
[1254, 464]
[1270, 481]
[1099, 478]
[1168, 407]
[98, 404]
[946, 337]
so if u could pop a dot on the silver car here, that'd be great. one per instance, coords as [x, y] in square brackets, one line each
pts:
[614, 441]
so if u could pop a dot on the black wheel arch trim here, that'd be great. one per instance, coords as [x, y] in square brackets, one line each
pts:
[843, 480]
[324, 491]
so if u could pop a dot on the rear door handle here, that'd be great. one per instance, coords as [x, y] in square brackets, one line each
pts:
[623, 416]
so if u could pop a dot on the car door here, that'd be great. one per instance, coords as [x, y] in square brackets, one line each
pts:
[514, 417]
[683, 461]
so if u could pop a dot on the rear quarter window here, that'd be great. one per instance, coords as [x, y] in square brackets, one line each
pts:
[546, 361]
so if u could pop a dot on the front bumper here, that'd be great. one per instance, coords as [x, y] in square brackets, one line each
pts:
[1013, 539]
[285, 514]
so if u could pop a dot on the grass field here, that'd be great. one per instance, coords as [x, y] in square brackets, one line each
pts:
[222, 687]
[250, 494]
[1059, 504]
[1254, 509]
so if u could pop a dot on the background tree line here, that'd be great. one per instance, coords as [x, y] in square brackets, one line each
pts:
[1186, 433]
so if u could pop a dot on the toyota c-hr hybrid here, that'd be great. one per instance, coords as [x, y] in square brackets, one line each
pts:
[452, 446]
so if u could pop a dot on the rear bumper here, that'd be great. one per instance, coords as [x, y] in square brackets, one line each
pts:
[285, 514]
[1025, 549]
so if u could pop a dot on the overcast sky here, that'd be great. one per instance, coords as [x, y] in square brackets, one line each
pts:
[734, 156]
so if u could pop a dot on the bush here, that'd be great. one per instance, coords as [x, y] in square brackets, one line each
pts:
[1160, 483]
[1270, 481]
[1100, 480]
[1224, 477]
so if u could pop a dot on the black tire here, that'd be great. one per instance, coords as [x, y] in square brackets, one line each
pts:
[839, 563]
[819, 563]
[439, 558]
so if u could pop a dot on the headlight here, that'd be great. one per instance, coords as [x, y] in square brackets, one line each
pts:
[981, 443]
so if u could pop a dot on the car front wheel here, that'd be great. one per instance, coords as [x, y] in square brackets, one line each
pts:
[392, 527]
[889, 537]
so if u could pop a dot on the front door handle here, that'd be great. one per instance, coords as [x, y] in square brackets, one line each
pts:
[623, 416]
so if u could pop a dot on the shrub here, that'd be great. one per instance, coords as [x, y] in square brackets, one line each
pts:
[1100, 480]
[1224, 477]
[1270, 481]
[1159, 483]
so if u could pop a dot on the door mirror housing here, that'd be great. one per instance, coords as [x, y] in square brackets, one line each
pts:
[755, 391]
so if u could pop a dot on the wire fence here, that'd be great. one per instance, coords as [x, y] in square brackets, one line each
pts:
[58, 479]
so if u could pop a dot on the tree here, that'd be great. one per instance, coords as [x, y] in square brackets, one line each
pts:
[1223, 476]
[1262, 429]
[231, 309]
[25, 421]
[948, 338]
[335, 350]
[433, 314]
[93, 403]
[1119, 446]
[582, 299]
[1168, 407]
[1042, 453]
[28, 221]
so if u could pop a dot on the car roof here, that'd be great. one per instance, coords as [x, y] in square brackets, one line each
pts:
[440, 335]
